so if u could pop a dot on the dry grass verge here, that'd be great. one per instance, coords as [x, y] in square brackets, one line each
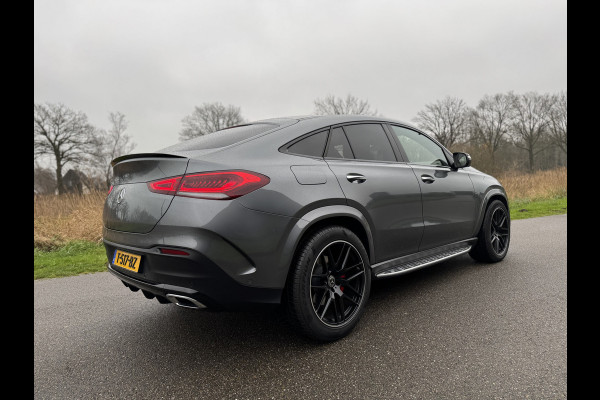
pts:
[61, 219]
[549, 184]
[58, 220]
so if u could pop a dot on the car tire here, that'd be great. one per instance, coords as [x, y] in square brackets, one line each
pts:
[329, 284]
[494, 236]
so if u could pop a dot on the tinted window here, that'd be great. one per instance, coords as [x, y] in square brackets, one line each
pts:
[419, 148]
[313, 145]
[338, 145]
[369, 142]
[222, 138]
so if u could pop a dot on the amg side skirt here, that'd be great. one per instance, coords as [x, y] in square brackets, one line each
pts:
[411, 262]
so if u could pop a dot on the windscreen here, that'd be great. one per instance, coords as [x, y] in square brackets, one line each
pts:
[222, 138]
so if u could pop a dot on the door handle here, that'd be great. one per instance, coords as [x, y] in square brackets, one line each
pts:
[358, 178]
[427, 178]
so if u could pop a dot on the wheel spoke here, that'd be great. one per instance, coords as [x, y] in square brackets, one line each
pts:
[335, 309]
[322, 266]
[342, 306]
[355, 275]
[329, 259]
[326, 307]
[350, 298]
[352, 289]
[337, 262]
[503, 220]
[346, 258]
[352, 267]
[322, 299]
[502, 230]
[502, 242]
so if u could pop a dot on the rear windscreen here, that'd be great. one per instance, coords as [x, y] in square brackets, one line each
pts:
[221, 138]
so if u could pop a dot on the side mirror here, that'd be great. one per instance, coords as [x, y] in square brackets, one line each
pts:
[461, 160]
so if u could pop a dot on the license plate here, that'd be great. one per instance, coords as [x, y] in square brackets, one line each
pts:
[127, 260]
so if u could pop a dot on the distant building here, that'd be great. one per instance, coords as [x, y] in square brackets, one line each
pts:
[73, 181]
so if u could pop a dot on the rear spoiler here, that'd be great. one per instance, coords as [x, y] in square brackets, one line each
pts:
[142, 155]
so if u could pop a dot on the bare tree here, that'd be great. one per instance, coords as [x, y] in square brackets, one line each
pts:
[558, 121]
[490, 121]
[531, 119]
[332, 105]
[446, 119]
[208, 118]
[63, 134]
[112, 144]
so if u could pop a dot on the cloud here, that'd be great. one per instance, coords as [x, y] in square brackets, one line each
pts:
[155, 60]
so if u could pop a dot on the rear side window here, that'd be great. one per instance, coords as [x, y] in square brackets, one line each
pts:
[222, 138]
[313, 145]
[369, 142]
[338, 145]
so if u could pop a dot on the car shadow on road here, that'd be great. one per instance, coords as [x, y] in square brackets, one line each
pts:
[185, 330]
[247, 345]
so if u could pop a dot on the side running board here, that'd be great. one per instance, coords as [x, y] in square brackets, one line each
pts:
[421, 259]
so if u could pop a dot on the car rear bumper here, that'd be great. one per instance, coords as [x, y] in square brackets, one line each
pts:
[253, 248]
[191, 279]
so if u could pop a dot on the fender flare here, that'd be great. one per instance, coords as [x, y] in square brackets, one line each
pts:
[318, 214]
[494, 191]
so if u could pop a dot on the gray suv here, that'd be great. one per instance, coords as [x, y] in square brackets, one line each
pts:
[303, 212]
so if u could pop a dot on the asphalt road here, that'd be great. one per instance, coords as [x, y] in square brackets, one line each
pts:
[455, 330]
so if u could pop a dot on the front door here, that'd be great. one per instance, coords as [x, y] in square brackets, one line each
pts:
[449, 206]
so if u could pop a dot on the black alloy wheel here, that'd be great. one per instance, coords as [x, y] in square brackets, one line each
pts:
[499, 231]
[494, 236]
[329, 284]
[337, 283]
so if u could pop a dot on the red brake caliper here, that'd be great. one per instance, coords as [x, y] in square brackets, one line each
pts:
[341, 287]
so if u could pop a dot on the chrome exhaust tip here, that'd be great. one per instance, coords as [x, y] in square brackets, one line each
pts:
[185, 302]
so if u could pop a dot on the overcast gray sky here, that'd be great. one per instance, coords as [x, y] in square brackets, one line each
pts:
[155, 60]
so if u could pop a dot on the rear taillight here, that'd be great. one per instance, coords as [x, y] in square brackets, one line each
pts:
[110, 190]
[219, 185]
[165, 186]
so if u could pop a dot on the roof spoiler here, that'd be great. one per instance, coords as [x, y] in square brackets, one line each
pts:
[142, 155]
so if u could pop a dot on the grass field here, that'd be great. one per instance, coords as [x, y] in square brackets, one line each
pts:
[76, 257]
[67, 236]
[522, 209]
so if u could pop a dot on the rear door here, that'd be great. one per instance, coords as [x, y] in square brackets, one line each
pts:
[376, 181]
[449, 206]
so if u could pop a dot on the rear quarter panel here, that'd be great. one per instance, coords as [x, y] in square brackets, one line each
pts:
[285, 194]
[273, 224]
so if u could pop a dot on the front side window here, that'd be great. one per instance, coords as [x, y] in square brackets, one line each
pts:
[369, 142]
[419, 148]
